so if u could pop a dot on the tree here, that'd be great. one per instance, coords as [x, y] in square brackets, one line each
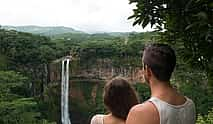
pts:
[187, 24]
[29, 54]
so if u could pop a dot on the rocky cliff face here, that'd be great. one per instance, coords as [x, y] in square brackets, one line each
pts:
[85, 99]
[99, 69]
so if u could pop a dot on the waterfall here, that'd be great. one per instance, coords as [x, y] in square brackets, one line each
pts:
[65, 92]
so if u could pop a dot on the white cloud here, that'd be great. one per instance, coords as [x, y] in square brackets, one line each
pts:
[86, 15]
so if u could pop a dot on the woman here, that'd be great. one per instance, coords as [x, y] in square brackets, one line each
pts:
[119, 96]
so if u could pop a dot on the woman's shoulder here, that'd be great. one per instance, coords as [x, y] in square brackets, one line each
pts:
[97, 119]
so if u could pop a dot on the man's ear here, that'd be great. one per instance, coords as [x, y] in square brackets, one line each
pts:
[149, 71]
[140, 76]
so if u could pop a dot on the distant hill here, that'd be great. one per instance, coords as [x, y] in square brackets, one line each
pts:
[119, 34]
[46, 31]
[67, 33]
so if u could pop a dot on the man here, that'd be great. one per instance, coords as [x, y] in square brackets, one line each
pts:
[166, 105]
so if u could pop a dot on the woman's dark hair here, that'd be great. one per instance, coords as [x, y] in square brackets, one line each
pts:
[119, 97]
[161, 59]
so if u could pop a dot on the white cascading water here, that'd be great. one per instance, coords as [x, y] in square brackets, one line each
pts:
[65, 92]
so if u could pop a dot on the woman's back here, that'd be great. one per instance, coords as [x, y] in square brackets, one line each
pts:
[106, 119]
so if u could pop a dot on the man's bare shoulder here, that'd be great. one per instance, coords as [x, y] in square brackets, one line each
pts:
[145, 113]
[144, 107]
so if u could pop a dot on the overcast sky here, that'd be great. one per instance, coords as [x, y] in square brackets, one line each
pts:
[84, 15]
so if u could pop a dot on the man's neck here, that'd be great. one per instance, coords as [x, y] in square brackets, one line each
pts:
[160, 89]
[165, 92]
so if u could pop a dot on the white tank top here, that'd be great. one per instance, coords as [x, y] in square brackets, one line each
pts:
[97, 119]
[175, 114]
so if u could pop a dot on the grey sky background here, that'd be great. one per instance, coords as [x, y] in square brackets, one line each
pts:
[84, 15]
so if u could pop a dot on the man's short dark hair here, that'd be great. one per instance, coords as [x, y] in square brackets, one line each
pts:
[161, 59]
[119, 97]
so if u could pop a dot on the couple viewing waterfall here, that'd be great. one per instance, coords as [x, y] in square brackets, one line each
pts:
[165, 106]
